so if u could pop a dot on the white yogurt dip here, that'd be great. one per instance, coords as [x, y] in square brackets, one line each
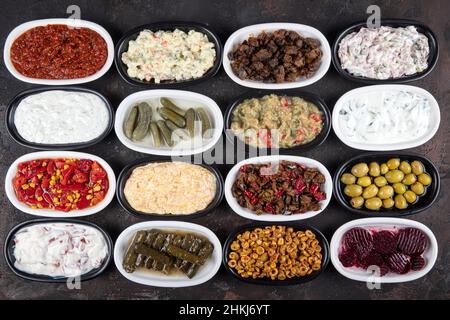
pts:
[384, 53]
[61, 117]
[59, 249]
[386, 117]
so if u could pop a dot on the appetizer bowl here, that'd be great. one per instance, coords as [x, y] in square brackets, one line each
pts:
[10, 193]
[125, 174]
[8, 251]
[248, 214]
[424, 202]
[395, 23]
[186, 97]
[306, 31]
[357, 274]
[435, 118]
[122, 46]
[156, 279]
[310, 97]
[292, 281]
[14, 103]
[76, 23]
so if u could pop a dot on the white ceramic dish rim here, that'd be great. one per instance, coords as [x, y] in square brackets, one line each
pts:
[305, 30]
[393, 146]
[53, 213]
[360, 274]
[162, 280]
[133, 98]
[246, 213]
[17, 31]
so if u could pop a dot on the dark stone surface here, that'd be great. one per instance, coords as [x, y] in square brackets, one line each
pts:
[225, 17]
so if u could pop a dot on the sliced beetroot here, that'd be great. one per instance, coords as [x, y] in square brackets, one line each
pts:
[372, 259]
[385, 242]
[417, 263]
[411, 241]
[399, 262]
[360, 240]
[348, 258]
[384, 269]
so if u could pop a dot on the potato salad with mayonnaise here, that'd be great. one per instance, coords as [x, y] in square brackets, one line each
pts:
[384, 52]
[385, 118]
[169, 55]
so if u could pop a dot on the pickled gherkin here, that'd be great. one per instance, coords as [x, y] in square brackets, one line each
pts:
[167, 251]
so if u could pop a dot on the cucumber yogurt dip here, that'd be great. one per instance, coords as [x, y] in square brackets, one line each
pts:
[169, 55]
[384, 52]
[386, 117]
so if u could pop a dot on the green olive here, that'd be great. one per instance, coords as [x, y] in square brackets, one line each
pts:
[385, 192]
[393, 163]
[410, 196]
[424, 179]
[417, 188]
[388, 203]
[374, 169]
[405, 167]
[373, 203]
[394, 176]
[380, 181]
[348, 178]
[353, 190]
[400, 202]
[409, 179]
[370, 191]
[384, 168]
[364, 181]
[417, 167]
[357, 202]
[399, 188]
[360, 169]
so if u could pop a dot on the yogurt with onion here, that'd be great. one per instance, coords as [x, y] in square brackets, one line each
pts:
[385, 117]
[59, 249]
[61, 117]
[385, 52]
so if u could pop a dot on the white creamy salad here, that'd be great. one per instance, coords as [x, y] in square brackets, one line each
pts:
[169, 55]
[385, 118]
[384, 53]
[59, 249]
[60, 117]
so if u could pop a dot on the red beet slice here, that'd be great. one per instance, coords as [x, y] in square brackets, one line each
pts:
[411, 241]
[360, 240]
[372, 259]
[385, 242]
[399, 262]
[348, 258]
[417, 263]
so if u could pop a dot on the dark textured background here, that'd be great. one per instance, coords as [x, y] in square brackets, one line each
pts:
[225, 17]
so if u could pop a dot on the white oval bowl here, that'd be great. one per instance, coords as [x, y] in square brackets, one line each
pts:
[358, 274]
[10, 193]
[16, 32]
[191, 99]
[156, 279]
[246, 213]
[434, 121]
[305, 31]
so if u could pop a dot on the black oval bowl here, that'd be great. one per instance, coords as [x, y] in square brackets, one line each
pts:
[8, 251]
[421, 28]
[12, 130]
[310, 97]
[122, 46]
[125, 174]
[424, 202]
[292, 281]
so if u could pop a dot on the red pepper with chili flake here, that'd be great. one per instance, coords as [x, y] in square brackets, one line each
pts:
[60, 184]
